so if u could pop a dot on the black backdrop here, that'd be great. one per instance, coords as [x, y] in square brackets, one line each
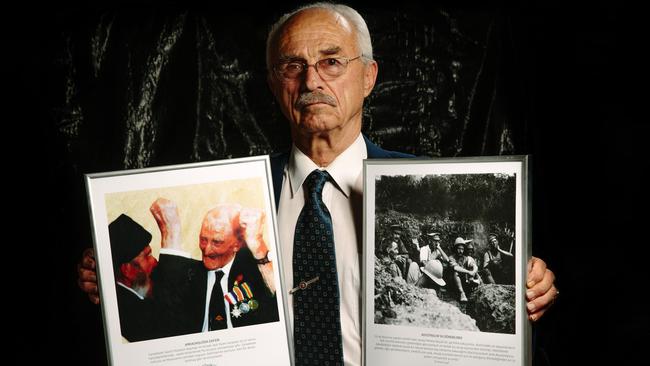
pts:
[125, 86]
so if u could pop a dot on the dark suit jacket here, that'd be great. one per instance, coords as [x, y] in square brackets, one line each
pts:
[180, 293]
[138, 321]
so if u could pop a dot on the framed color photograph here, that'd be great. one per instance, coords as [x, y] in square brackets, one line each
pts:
[446, 244]
[187, 264]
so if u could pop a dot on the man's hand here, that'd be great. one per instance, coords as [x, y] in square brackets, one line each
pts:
[87, 280]
[166, 214]
[541, 291]
[251, 221]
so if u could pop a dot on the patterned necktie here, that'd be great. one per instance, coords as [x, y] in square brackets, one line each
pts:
[217, 310]
[317, 324]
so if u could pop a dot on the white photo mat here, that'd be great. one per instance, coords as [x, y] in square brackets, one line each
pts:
[398, 342]
[246, 181]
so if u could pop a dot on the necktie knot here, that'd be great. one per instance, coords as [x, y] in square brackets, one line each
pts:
[219, 275]
[316, 181]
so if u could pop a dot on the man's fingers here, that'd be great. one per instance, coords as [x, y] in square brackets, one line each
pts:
[164, 211]
[542, 287]
[537, 307]
[536, 315]
[88, 287]
[87, 280]
[88, 259]
[536, 271]
[88, 263]
[91, 290]
[251, 219]
[86, 275]
[251, 215]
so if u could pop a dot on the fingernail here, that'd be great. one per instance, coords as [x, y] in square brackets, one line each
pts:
[530, 294]
[530, 284]
[531, 307]
[532, 318]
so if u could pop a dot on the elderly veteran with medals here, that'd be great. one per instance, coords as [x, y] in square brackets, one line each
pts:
[232, 286]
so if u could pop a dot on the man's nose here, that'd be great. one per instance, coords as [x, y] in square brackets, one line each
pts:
[208, 249]
[312, 79]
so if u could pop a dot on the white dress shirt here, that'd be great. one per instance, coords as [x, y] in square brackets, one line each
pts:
[212, 278]
[344, 201]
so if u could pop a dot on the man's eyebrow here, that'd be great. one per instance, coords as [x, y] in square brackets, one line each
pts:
[326, 52]
[331, 51]
[288, 58]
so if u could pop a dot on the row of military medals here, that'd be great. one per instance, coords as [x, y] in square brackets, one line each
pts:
[242, 301]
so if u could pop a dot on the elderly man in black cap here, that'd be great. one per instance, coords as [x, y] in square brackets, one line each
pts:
[133, 265]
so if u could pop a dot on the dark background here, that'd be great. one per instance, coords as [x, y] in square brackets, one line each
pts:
[119, 86]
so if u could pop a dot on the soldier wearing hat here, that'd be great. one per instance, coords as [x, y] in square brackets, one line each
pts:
[133, 265]
[397, 233]
[493, 261]
[464, 267]
[433, 250]
[430, 252]
[389, 259]
[399, 252]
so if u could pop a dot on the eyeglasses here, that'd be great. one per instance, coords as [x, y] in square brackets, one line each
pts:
[328, 68]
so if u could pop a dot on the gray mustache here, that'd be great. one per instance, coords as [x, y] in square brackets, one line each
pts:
[314, 97]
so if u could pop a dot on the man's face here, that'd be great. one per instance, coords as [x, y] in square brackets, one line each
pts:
[137, 273]
[145, 262]
[313, 35]
[218, 241]
[393, 250]
[470, 250]
[460, 249]
[494, 243]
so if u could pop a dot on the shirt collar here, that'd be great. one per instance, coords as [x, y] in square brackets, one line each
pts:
[131, 290]
[345, 169]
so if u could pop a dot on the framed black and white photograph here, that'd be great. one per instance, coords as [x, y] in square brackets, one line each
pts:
[187, 264]
[446, 244]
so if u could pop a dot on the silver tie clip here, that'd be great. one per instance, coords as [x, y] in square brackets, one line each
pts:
[303, 285]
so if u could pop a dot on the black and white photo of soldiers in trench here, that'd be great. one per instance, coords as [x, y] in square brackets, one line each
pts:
[445, 251]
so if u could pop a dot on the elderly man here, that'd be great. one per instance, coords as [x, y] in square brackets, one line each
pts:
[232, 285]
[321, 68]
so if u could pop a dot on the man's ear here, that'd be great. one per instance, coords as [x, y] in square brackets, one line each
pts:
[369, 77]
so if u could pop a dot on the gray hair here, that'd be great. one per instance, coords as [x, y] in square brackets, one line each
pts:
[363, 35]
